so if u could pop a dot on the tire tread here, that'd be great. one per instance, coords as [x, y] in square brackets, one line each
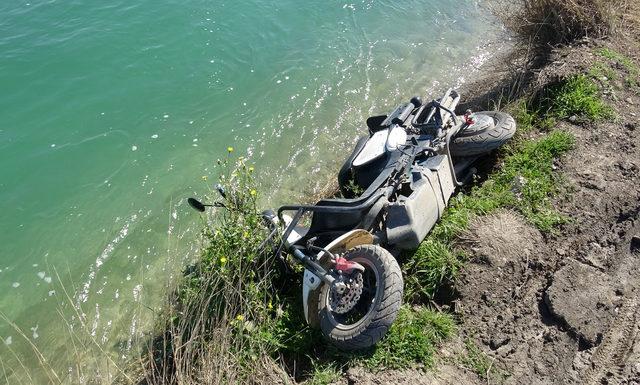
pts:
[386, 311]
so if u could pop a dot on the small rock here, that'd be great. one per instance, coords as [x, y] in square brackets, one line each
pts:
[635, 243]
[561, 251]
[629, 101]
[498, 341]
[354, 374]
[518, 184]
[626, 165]
[573, 118]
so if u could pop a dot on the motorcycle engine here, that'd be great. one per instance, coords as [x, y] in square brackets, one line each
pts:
[345, 292]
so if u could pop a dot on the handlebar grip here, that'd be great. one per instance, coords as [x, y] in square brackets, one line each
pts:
[408, 109]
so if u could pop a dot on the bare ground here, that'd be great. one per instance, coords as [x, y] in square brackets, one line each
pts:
[564, 308]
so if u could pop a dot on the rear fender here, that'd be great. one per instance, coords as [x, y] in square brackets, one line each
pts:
[312, 284]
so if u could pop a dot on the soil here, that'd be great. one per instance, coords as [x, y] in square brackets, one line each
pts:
[563, 308]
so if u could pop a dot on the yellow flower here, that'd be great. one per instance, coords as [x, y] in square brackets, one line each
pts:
[251, 169]
[223, 260]
[204, 177]
[240, 317]
[230, 149]
[270, 305]
[253, 192]
[245, 234]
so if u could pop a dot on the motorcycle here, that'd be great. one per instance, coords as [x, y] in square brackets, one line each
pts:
[395, 186]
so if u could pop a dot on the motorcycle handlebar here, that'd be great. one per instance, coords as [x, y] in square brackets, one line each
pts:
[408, 109]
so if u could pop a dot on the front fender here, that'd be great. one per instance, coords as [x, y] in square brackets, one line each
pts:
[312, 284]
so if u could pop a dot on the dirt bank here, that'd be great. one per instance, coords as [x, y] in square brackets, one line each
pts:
[555, 308]
[563, 308]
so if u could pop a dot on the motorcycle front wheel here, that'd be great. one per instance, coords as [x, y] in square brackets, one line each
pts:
[362, 318]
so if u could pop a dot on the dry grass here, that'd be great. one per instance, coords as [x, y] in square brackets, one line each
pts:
[553, 22]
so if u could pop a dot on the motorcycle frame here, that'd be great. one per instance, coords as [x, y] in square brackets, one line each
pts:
[315, 273]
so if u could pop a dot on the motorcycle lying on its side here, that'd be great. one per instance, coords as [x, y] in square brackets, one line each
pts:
[396, 185]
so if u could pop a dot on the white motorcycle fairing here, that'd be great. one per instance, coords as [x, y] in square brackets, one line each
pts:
[311, 283]
[379, 143]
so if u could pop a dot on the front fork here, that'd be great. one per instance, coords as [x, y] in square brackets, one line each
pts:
[317, 272]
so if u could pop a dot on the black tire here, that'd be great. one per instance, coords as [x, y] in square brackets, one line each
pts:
[470, 141]
[345, 174]
[383, 308]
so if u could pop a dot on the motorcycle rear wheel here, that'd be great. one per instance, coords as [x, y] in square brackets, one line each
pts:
[377, 308]
[470, 141]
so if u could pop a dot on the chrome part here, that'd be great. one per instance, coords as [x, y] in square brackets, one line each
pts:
[345, 293]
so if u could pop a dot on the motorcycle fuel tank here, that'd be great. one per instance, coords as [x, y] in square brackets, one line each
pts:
[412, 216]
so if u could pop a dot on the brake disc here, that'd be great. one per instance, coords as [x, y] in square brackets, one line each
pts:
[342, 301]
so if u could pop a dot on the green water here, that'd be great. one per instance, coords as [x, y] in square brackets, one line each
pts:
[111, 112]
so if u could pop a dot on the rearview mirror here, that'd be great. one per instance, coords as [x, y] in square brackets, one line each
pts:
[196, 204]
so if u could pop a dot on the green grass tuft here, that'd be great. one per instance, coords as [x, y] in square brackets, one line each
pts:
[632, 76]
[526, 180]
[432, 264]
[479, 362]
[579, 96]
[619, 58]
[323, 375]
[602, 72]
[413, 338]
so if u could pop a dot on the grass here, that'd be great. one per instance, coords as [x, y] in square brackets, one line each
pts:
[603, 72]
[578, 96]
[477, 361]
[221, 323]
[632, 71]
[324, 375]
[619, 58]
[412, 339]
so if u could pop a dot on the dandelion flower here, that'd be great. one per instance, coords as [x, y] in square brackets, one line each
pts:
[223, 260]
[270, 305]
[230, 149]
[253, 192]
[204, 177]
[251, 169]
[240, 317]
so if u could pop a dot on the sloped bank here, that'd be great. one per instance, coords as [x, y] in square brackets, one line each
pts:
[561, 306]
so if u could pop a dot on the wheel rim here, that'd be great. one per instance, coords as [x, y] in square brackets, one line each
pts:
[484, 122]
[369, 298]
